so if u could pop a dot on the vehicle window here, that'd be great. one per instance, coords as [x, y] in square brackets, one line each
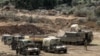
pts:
[20, 38]
[28, 41]
[55, 41]
[31, 46]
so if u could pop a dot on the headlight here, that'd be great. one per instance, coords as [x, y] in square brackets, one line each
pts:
[30, 49]
[58, 47]
[36, 48]
[64, 46]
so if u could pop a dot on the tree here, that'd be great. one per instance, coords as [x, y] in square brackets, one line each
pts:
[35, 4]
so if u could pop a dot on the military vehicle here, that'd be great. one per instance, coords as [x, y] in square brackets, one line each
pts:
[7, 39]
[53, 44]
[15, 40]
[38, 39]
[18, 37]
[81, 37]
[27, 47]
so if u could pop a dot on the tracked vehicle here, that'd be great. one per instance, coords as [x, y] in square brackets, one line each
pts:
[81, 37]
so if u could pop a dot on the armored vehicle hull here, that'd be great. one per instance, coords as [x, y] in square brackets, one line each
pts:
[78, 37]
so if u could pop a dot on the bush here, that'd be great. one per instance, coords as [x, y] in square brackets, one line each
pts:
[81, 12]
[6, 15]
[2, 17]
[61, 22]
[82, 20]
[39, 20]
[35, 4]
[97, 11]
[64, 9]
[9, 16]
[92, 18]
[98, 23]
[30, 19]
[15, 18]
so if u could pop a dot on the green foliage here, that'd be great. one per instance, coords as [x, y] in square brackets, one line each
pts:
[2, 1]
[98, 23]
[80, 12]
[35, 4]
[83, 11]
[97, 11]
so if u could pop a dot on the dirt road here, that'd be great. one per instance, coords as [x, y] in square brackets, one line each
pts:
[46, 16]
[93, 49]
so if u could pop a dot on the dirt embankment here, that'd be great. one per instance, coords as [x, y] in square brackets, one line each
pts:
[91, 26]
[23, 29]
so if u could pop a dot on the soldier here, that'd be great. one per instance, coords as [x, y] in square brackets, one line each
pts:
[85, 44]
[14, 44]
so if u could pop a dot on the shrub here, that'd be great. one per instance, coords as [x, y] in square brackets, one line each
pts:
[15, 18]
[61, 22]
[97, 11]
[64, 9]
[39, 20]
[92, 18]
[35, 4]
[30, 19]
[6, 15]
[2, 17]
[82, 20]
[98, 23]
[81, 12]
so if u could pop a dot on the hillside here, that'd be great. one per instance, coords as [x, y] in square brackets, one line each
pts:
[2, 1]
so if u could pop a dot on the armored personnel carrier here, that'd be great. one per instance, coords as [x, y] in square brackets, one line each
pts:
[81, 37]
[77, 35]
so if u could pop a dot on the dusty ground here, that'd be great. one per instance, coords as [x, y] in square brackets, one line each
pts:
[93, 49]
[46, 16]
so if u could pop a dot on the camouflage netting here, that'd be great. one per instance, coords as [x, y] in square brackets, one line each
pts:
[23, 29]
